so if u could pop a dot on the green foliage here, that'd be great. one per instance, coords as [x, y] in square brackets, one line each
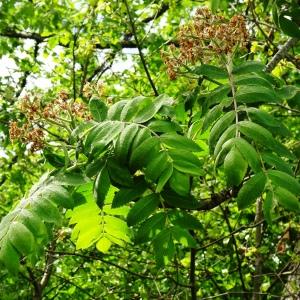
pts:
[94, 225]
[25, 230]
[161, 177]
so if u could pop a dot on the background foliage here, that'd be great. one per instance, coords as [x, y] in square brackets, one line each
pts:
[153, 188]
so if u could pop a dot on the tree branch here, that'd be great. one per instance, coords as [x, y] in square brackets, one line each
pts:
[242, 228]
[193, 288]
[11, 33]
[140, 49]
[239, 263]
[164, 7]
[27, 73]
[37, 295]
[215, 200]
[281, 54]
[49, 266]
[99, 71]
[258, 259]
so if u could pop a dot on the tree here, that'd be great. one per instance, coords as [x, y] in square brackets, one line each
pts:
[173, 178]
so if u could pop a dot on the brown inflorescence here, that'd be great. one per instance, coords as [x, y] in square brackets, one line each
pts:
[206, 37]
[91, 89]
[56, 112]
[33, 110]
[30, 107]
[15, 132]
[34, 137]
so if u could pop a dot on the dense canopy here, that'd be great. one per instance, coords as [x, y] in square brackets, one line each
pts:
[149, 149]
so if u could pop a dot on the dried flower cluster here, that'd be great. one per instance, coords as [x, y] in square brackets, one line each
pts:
[34, 110]
[90, 89]
[206, 37]
[56, 112]
[34, 137]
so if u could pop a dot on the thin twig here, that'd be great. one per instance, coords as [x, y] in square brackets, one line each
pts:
[239, 263]
[242, 228]
[281, 54]
[140, 49]
[242, 294]
[193, 253]
[258, 260]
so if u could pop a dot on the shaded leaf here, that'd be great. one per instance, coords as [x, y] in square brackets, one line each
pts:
[235, 167]
[251, 190]
[164, 126]
[287, 199]
[186, 162]
[156, 166]
[141, 155]
[219, 127]
[124, 142]
[164, 177]
[180, 183]
[177, 141]
[211, 71]
[248, 67]
[142, 209]
[98, 109]
[21, 238]
[101, 186]
[126, 195]
[150, 228]
[284, 180]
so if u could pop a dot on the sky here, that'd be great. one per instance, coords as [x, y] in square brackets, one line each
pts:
[8, 67]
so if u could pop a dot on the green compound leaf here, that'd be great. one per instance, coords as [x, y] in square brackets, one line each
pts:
[256, 93]
[235, 167]
[186, 162]
[248, 67]
[180, 183]
[119, 174]
[142, 109]
[212, 115]
[249, 154]
[126, 195]
[95, 226]
[285, 181]
[277, 162]
[211, 71]
[23, 231]
[142, 209]
[124, 142]
[219, 127]
[268, 206]
[179, 142]
[98, 109]
[21, 238]
[251, 190]
[115, 110]
[164, 177]
[287, 199]
[143, 154]
[156, 166]
[164, 126]
[150, 228]
[101, 186]
[9, 256]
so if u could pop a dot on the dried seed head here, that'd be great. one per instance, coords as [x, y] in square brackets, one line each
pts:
[15, 132]
[206, 37]
[87, 90]
[36, 138]
[63, 95]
